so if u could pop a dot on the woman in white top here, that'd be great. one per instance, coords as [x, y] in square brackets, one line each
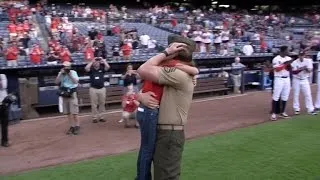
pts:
[217, 41]
[197, 38]
[206, 39]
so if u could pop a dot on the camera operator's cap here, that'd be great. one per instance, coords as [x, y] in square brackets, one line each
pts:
[191, 45]
[66, 64]
[302, 53]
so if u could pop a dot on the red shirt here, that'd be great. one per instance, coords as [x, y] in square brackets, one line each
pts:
[130, 105]
[89, 53]
[26, 27]
[20, 28]
[12, 28]
[157, 89]
[64, 56]
[126, 50]
[35, 55]
[12, 53]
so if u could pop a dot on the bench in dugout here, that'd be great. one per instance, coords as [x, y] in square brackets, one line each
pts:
[211, 85]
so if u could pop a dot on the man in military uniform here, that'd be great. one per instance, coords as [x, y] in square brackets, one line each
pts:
[174, 106]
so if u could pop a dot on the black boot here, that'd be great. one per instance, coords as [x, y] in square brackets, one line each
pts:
[5, 144]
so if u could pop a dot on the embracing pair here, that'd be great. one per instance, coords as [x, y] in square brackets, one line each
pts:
[165, 99]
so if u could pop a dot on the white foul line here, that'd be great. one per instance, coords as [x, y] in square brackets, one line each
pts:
[119, 111]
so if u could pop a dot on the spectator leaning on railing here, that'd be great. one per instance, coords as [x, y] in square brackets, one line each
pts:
[11, 54]
[236, 74]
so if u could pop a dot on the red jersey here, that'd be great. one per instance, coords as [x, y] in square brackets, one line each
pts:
[20, 28]
[35, 55]
[12, 28]
[126, 50]
[130, 105]
[12, 53]
[26, 27]
[89, 53]
[157, 89]
[64, 56]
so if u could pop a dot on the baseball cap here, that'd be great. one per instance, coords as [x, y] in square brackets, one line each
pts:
[66, 64]
[301, 53]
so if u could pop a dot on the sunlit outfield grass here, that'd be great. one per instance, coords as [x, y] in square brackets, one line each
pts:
[280, 150]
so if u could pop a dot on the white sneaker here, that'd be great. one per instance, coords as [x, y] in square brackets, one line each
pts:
[284, 115]
[273, 117]
[120, 121]
[297, 112]
[313, 113]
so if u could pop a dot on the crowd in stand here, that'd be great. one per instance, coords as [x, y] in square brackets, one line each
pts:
[215, 33]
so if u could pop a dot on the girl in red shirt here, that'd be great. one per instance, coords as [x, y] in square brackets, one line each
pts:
[129, 105]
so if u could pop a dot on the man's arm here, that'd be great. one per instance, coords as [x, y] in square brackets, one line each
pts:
[150, 70]
[188, 69]
[58, 78]
[88, 66]
[74, 77]
[106, 65]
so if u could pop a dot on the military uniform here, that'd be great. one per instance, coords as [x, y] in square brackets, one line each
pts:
[174, 107]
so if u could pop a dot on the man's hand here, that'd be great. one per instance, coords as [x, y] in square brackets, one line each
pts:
[148, 100]
[175, 48]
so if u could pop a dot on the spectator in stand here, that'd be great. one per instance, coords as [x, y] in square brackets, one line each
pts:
[36, 54]
[89, 52]
[97, 70]
[116, 52]
[126, 51]
[12, 28]
[130, 106]
[11, 54]
[217, 42]
[144, 39]
[93, 34]
[26, 26]
[197, 38]
[206, 40]
[65, 54]
[135, 46]
[25, 42]
[52, 58]
[100, 50]
[152, 44]
[20, 30]
[248, 49]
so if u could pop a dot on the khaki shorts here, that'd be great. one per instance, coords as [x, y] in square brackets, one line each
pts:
[128, 115]
[71, 105]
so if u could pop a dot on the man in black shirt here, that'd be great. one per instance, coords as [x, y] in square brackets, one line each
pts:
[97, 69]
[92, 34]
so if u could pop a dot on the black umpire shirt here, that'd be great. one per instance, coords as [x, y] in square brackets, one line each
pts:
[97, 77]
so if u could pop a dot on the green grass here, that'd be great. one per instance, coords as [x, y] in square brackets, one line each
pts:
[274, 151]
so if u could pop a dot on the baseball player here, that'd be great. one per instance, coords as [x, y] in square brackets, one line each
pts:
[282, 85]
[301, 69]
[317, 104]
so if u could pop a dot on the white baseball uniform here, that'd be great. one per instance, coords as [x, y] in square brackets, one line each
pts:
[301, 81]
[282, 84]
[317, 104]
